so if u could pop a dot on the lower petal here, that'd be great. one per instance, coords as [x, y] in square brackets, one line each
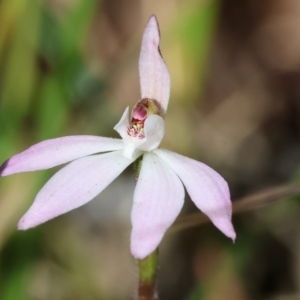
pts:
[74, 185]
[208, 190]
[158, 199]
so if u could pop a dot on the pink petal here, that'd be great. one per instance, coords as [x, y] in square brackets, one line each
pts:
[74, 185]
[207, 189]
[54, 152]
[154, 74]
[158, 199]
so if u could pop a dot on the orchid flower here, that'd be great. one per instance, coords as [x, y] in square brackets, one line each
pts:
[159, 192]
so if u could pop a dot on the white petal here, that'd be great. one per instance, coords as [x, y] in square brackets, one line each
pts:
[73, 186]
[158, 199]
[123, 124]
[130, 143]
[54, 152]
[154, 74]
[154, 129]
[207, 189]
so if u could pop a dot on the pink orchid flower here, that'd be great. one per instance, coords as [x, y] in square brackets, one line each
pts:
[159, 193]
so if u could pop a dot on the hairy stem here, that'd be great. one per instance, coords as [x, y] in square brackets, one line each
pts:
[147, 277]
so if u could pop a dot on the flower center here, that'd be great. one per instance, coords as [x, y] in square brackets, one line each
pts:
[139, 114]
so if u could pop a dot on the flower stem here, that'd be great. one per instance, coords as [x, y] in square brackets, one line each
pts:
[147, 277]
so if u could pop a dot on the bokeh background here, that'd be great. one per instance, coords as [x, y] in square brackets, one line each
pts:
[71, 67]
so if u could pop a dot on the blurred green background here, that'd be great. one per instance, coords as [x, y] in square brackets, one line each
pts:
[71, 67]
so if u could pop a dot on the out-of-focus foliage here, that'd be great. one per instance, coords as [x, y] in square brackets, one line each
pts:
[71, 67]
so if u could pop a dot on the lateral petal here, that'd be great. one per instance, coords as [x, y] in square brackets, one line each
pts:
[54, 152]
[123, 124]
[74, 185]
[208, 190]
[154, 74]
[158, 199]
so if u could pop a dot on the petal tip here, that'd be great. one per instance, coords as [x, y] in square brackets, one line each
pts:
[152, 31]
[230, 233]
[138, 256]
[140, 253]
[3, 168]
[153, 20]
[233, 237]
[226, 227]
[23, 225]
[29, 221]
[143, 244]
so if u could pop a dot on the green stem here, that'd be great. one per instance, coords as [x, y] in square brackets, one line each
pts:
[147, 276]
